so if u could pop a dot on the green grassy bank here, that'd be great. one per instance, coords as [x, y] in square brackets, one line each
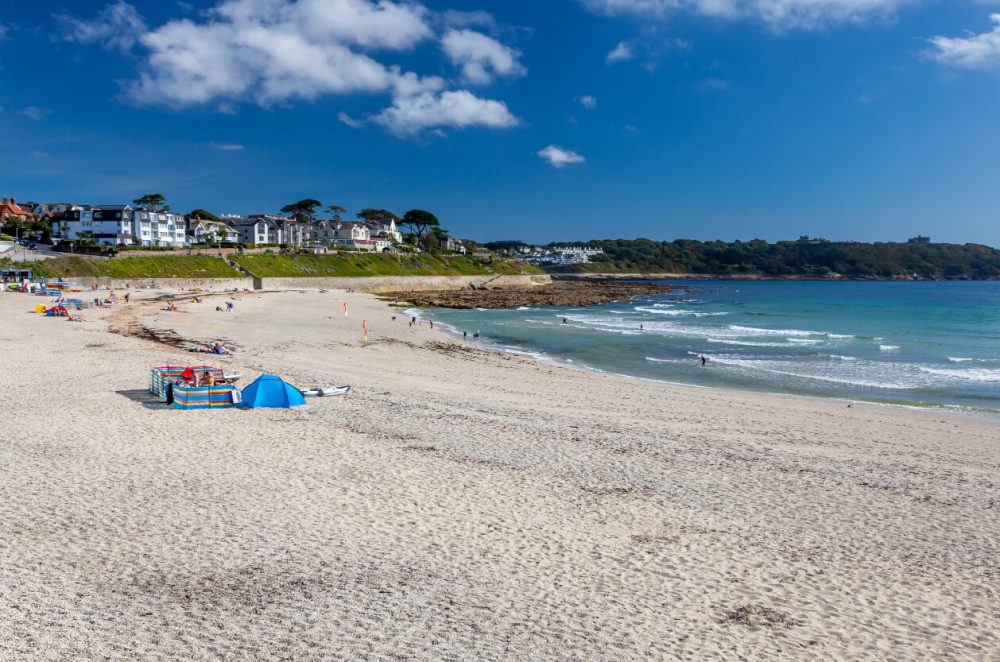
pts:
[348, 265]
[273, 266]
[168, 266]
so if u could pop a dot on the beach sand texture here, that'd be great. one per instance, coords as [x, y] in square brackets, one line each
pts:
[462, 504]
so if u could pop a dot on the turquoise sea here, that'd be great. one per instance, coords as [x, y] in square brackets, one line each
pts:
[913, 343]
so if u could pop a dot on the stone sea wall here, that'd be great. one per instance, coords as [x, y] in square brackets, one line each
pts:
[217, 284]
[373, 284]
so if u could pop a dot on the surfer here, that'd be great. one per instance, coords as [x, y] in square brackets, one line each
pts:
[703, 359]
[565, 321]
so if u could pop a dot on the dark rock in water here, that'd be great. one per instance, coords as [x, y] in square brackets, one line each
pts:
[558, 293]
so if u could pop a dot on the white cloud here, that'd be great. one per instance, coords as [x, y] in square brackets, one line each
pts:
[34, 113]
[975, 51]
[464, 19]
[779, 14]
[272, 52]
[275, 51]
[460, 109]
[117, 26]
[480, 57]
[714, 85]
[588, 102]
[559, 157]
[620, 53]
[350, 121]
[227, 147]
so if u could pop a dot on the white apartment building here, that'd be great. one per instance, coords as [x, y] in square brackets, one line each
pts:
[108, 226]
[159, 229]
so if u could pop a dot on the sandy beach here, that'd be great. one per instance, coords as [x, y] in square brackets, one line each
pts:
[464, 504]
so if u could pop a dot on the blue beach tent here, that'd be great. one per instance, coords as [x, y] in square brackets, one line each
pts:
[271, 391]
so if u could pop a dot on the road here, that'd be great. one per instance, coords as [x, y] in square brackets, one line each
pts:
[24, 254]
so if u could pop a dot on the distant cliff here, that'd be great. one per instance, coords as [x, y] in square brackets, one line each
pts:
[803, 258]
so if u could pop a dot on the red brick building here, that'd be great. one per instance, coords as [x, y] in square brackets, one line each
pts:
[10, 210]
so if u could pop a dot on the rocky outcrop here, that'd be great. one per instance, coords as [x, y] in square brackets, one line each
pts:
[558, 293]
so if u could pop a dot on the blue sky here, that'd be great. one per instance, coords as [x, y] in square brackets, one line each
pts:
[562, 119]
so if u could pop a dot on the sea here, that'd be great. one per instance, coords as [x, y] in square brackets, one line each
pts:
[921, 344]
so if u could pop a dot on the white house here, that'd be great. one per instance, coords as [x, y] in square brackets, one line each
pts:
[387, 229]
[258, 230]
[72, 225]
[451, 244]
[50, 210]
[347, 234]
[201, 231]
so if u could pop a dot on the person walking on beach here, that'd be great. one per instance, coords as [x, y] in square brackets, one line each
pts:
[229, 306]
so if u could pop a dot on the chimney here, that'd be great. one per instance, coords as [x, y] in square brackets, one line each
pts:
[12, 200]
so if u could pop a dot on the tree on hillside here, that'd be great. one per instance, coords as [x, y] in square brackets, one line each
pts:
[154, 201]
[419, 221]
[336, 211]
[303, 210]
[377, 215]
[203, 215]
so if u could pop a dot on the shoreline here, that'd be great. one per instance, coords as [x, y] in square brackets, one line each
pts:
[465, 502]
[989, 415]
[559, 276]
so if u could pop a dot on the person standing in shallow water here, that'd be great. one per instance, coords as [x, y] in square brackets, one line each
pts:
[703, 359]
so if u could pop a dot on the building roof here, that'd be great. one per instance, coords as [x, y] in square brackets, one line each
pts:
[10, 208]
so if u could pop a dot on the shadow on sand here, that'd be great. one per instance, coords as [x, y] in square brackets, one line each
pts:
[144, 397]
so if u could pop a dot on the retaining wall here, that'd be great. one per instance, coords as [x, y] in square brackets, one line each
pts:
[181, 252]
[217, 284]
[373, 284]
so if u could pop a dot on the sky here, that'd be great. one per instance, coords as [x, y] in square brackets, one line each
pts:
[869, 120]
